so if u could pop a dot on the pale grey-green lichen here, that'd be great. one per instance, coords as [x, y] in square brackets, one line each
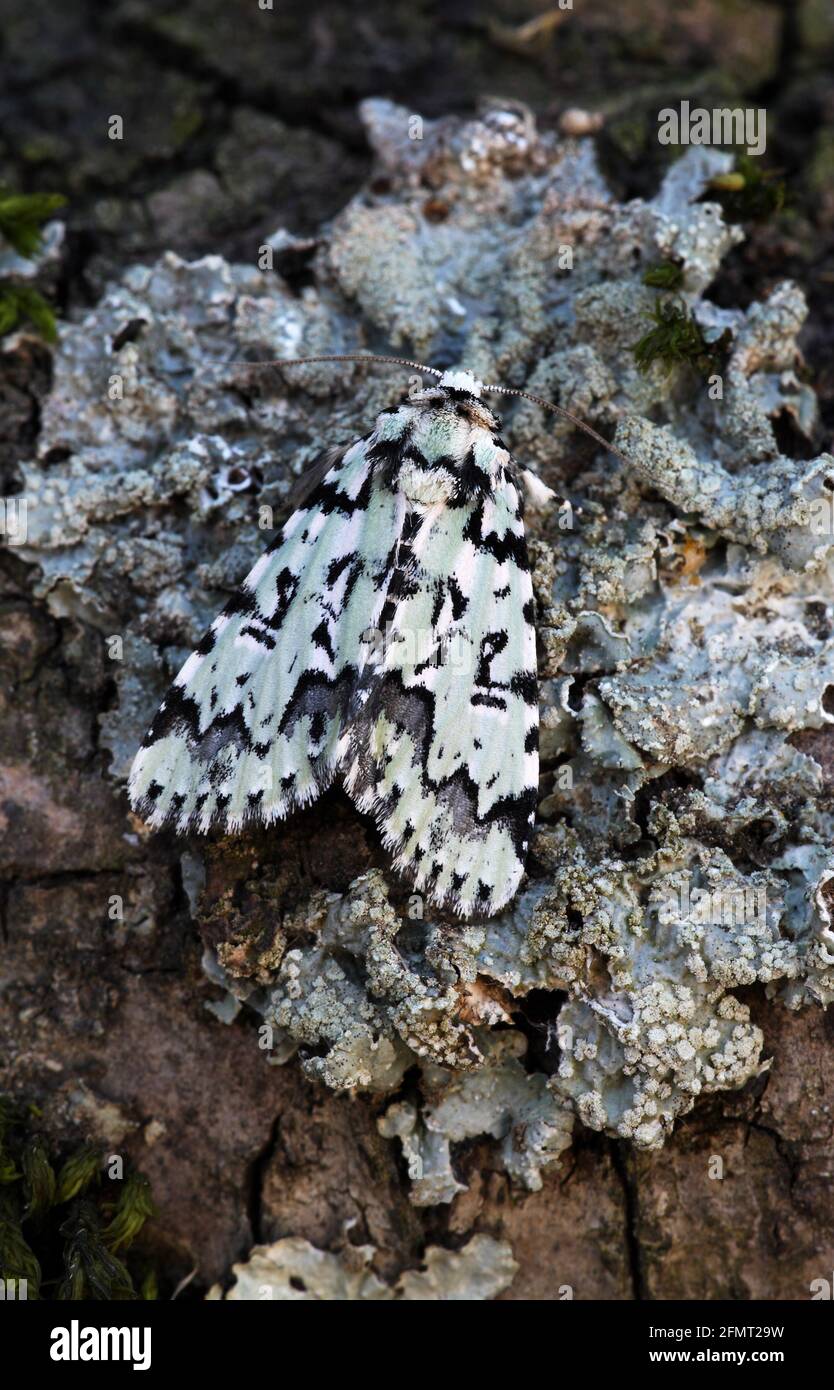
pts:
[501, 1099]
[293, 1270]
[686, 626]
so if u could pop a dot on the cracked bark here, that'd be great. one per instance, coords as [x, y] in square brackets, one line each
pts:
[102, 1022]
[104, 1025]
[621, 1161]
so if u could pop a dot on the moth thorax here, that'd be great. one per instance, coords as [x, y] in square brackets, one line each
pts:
[426, 484]
[462, 381]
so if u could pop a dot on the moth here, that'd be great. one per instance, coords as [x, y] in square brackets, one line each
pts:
[387, 637]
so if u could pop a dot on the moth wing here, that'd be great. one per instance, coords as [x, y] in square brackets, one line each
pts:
[444, 751]
[250, 726]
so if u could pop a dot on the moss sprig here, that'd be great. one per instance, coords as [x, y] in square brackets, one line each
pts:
[130, 1212]
[21, 302]
[80, 1170]
[21, 224]
[748, 193]
[61, 1225]
[22, 216]
[91, 1270]
[664, 275]
[38, 1178]
[675, 339]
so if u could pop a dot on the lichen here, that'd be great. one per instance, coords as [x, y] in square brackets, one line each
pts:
[294, 1270]
[686, 629]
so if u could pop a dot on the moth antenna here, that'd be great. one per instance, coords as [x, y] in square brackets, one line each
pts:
[328, 357]
[421, 367]
[558, 410]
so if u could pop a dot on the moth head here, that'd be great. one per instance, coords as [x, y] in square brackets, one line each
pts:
[459, 392]
[452, 385]
[451, 451]
[461, 381]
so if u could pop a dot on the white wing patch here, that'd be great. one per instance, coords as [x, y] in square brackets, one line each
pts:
[250, 725]
[416, 535]
[442, 748]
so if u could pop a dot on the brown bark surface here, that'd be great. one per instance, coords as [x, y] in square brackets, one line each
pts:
[103, 1023]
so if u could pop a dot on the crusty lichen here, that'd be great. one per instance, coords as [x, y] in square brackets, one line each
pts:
[293, 1270]
[686, 626]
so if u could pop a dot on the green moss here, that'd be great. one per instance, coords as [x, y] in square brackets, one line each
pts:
[91, 1270]
[187, 120]
[820, 173]
[22, 302]
[21, 218]
[9, 1171]
[38, 1178]
[44, 148]
[130, 1212]
[80, 1170]
[749, 193]
[665, 275]
[17, 1258]
[629, 134]
[61, 1234]
[676, 338]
